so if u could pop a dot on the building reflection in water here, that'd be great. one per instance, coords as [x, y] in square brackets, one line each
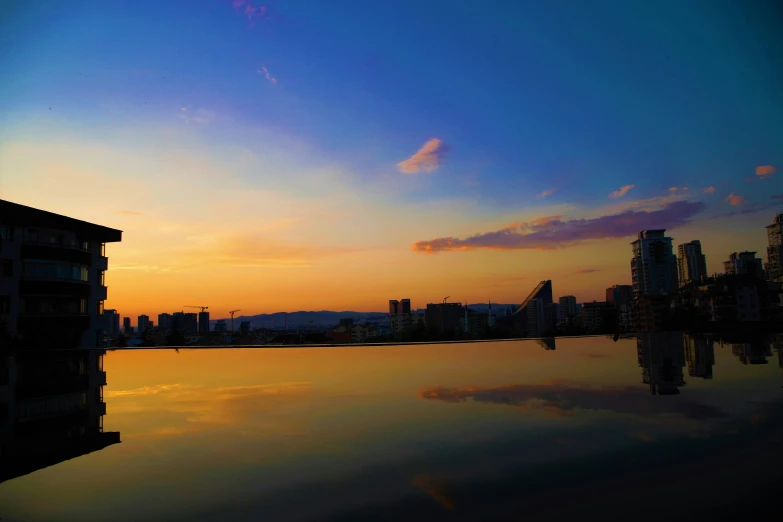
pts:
[754, 351]
[51, 409]
[662, 358]
[700, 353]
[547, 343]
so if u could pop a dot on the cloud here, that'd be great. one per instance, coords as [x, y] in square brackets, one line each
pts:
[734, 200]
[777, 197]
[251, 11]
[678, 189]
[622, 191]
[427, 159]
[587, 270]
[564, 398]
[129, 213]
[546, 193]
[552, 232]
[764, 171]
[709, 190]
[198, 116]
[265, 72]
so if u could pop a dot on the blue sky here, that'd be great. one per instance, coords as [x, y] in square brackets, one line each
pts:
[540, 109]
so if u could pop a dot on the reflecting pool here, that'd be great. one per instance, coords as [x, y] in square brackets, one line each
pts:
[664, 427]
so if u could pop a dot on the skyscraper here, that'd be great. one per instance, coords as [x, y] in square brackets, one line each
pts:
[691, 263]
[203, 322]
[164, 322]
[126, 326]
[743, 263]
[619, 295]
[775, 249]
[654, 266]
[567, 307]
[143, 323]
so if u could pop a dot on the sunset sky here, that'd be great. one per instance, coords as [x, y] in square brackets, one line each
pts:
[311, 155]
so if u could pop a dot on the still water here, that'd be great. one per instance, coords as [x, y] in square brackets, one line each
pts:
[664, 427]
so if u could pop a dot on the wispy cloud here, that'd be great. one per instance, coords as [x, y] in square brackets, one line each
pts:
[129, 213]
[777, 197]
[622, 191]
[427, 159]
[710, 190]
[552, 232]
[734, 199]
[542, 195]
[265, 73]
[252, 12]
[198, 116]
[678, 189]
[764, 171]
[587, 270]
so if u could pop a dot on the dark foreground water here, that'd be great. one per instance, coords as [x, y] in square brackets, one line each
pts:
[666, 427]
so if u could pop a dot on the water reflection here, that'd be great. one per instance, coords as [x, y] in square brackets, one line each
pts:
[388, 432]
[51, 409]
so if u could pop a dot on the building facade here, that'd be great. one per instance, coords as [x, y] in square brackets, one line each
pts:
[203, 322]
[691, 263]
[567, 308]
[143, 323]
[164, 322]
[52, 285]
[775, 249]
[654, 266]
[619, 295]
[444, 318]
[744, 263]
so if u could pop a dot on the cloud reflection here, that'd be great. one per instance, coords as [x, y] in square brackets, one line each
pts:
[564, 398]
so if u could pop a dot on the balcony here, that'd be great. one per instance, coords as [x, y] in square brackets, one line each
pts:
[101, 293]
[55, 252]
[99, 379]
[102, 263]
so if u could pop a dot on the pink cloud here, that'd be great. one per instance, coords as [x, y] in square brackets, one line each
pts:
[734, 200]
[265, 72]
[546, 193]
[622, 191]
[588, 270]
[427, 159]
[709, 190]
[764, 171]
[251, 11]
[678, 189]
[552, 232]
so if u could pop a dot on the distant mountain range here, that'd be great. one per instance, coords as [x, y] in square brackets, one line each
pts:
[325, 318]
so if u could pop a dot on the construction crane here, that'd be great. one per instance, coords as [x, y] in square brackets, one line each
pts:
[232, 312]
[203, 308]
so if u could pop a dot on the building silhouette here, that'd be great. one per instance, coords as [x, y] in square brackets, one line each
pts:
[53, 285]
[444, 319]
[775, 249]
[700, 353]
[203, 322]
[619, 295]
[661, 356]
[143, 323]
[165, 322]
[744, 263]
[691, 263]
[126, 326]
[654, 266]
[111, 322]
[534, 316]
[567, 308]
[52, 406]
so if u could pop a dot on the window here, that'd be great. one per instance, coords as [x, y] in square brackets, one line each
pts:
[6, 232]
[101, 277]
[47, 270]
[103, 249]
[6, 268]
[100, 307]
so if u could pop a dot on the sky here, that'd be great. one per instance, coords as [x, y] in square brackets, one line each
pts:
[296, 155]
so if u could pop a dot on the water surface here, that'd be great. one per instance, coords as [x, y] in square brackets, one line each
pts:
[666, 426]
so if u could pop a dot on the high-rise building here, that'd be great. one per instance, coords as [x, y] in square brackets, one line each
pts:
[405, 306]
[743, 263]
[444, 318]
[143, 323]
[567, 307]
[775, 249]
[52, 285]
[654, 266]
[533, 317]
[662, 358]
[691, 263]
[619, 295]
[126, 326]
[111, 322]
[164, 322]
[190, 324]
[203, 322]
[394, 307]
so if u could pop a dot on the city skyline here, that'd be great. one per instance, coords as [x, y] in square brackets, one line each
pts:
[293, 159]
